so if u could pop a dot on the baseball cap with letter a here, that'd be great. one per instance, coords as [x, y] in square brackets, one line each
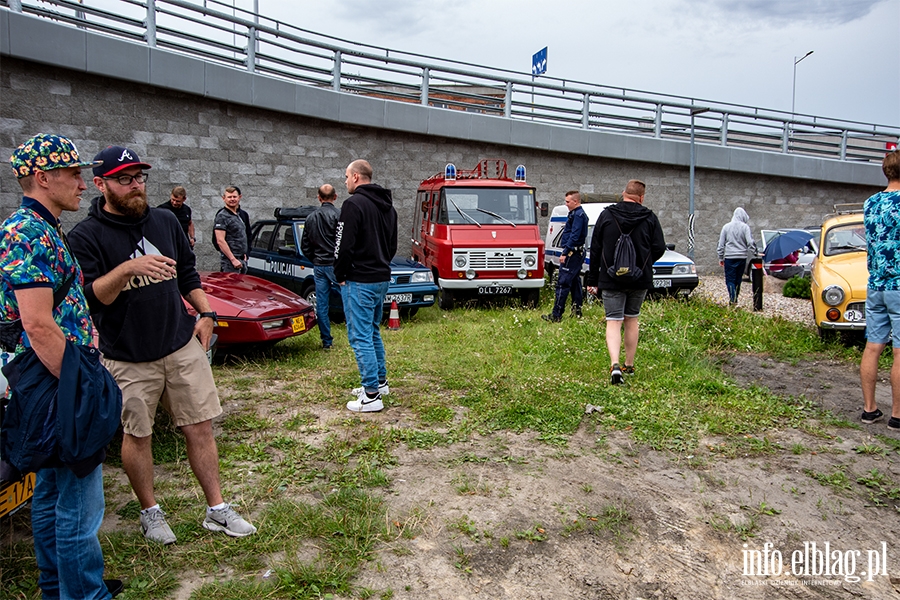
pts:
[115, 158]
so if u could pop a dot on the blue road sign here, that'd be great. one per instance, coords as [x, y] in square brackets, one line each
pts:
[539, 62]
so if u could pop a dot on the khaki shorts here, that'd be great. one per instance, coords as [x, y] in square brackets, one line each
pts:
[181, 381]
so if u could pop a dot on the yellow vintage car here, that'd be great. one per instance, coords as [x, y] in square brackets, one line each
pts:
[840, 274]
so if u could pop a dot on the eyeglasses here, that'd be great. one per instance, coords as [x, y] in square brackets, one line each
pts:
[127, 179]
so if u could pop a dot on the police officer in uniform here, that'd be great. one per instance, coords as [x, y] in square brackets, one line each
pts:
[570, 260]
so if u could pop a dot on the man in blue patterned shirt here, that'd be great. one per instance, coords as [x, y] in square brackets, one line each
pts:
[35, 261]
[882, 219]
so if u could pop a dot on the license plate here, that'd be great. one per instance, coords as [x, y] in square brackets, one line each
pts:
[490, 290]
[15, 493]
[662, 283]
[298, 324]
[398, 298]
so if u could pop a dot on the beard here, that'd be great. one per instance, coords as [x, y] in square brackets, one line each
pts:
[132, 205]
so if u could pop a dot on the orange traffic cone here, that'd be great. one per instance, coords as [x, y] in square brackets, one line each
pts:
[394, 318]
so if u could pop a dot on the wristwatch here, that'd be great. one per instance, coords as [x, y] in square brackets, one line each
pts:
[212, 315]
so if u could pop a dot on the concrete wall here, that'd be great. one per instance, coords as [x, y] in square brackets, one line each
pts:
[280, 158]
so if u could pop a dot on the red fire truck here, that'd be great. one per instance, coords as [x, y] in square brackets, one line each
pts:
[477, 231]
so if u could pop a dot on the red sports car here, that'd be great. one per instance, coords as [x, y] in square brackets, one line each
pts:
[254, 311]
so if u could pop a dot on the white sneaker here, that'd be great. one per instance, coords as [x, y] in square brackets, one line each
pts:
[228, 521]
[365, 404]
[383, 389]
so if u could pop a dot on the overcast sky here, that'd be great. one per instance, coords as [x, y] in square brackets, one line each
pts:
[739, 51]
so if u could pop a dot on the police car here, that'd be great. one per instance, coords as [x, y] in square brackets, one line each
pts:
[275, 255]
[673, 274]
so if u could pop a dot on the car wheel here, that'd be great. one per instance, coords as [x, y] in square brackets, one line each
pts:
[531, 298]
[309, 294]
[445, 299]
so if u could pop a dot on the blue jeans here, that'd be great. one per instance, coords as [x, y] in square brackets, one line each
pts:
[569, 280]
[66, 513]
[734, 270]
[363, 308]
[324, 277]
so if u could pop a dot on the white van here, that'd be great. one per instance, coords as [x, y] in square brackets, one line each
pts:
[673, 274]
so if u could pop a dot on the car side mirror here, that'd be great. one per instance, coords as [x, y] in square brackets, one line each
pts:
[671, 247]
[424, 206]
[545, 209]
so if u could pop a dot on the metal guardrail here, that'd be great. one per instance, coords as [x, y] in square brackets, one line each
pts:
[215, 31]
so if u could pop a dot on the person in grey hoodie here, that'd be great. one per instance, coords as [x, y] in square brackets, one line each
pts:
[736, 245]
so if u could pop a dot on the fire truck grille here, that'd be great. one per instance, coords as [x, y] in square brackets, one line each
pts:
[480, 260]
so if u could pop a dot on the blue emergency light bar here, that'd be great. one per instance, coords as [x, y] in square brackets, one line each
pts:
[520, 174]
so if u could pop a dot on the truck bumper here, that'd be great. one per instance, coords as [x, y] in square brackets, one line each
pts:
[474, 284]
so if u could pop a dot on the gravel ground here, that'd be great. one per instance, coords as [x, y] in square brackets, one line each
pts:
[774, 303]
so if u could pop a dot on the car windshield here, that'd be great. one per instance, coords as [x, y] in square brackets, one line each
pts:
[845, 238]
[488, 206]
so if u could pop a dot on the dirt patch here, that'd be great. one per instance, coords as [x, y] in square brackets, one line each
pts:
[681, 520]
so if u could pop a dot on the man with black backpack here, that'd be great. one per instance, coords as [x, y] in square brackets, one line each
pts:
[627, 240]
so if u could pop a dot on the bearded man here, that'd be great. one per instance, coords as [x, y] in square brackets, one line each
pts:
[138, 265]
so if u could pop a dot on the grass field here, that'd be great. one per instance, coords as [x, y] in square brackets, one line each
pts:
[316, 488]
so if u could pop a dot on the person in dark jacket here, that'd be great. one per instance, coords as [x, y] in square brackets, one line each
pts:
[317, 244]
[35, 261]
[622, 300]
[176, 204]
[139, 267]
[571, 257]
[365, 243]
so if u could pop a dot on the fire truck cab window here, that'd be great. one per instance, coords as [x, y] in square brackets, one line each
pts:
[487, 206]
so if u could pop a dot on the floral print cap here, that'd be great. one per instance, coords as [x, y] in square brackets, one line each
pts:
[45, 152]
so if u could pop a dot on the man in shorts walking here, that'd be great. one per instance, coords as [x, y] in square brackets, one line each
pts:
[138, 266]
[882, 219]
[622, 299]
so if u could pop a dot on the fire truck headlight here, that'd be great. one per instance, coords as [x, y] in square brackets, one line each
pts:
[470, 274]
[530, 261]
[521, 273]
[460, 261]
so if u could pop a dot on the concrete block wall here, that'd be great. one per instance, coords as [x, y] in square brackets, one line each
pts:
[280, 159]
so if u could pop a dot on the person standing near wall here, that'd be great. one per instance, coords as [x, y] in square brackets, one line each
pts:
[882, 218]
[365, 243]
[231, 234]
[736, 245]
[571, 258]
[176, 204]
[317, 244]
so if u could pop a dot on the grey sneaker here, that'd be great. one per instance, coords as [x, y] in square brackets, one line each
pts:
[228, 521]
[155, 528]
[383, 388]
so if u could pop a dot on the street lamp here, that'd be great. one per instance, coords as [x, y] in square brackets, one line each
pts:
[794, 88]
[694, 112]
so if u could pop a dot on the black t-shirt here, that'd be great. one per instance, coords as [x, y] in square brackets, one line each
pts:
[183, 214]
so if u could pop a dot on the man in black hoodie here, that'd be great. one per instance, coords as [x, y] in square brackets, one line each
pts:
[622, 299]
[365, 243]
[138, 265]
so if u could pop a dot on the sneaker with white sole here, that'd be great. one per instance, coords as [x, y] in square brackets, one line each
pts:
[155, 528]
[228, 521]
[615, 375]
[383, 389]
[364, 403]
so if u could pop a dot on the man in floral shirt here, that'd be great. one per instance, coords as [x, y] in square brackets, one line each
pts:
[35, 261]
[882, 219]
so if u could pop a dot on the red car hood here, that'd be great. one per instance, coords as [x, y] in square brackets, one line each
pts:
[248, 297]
